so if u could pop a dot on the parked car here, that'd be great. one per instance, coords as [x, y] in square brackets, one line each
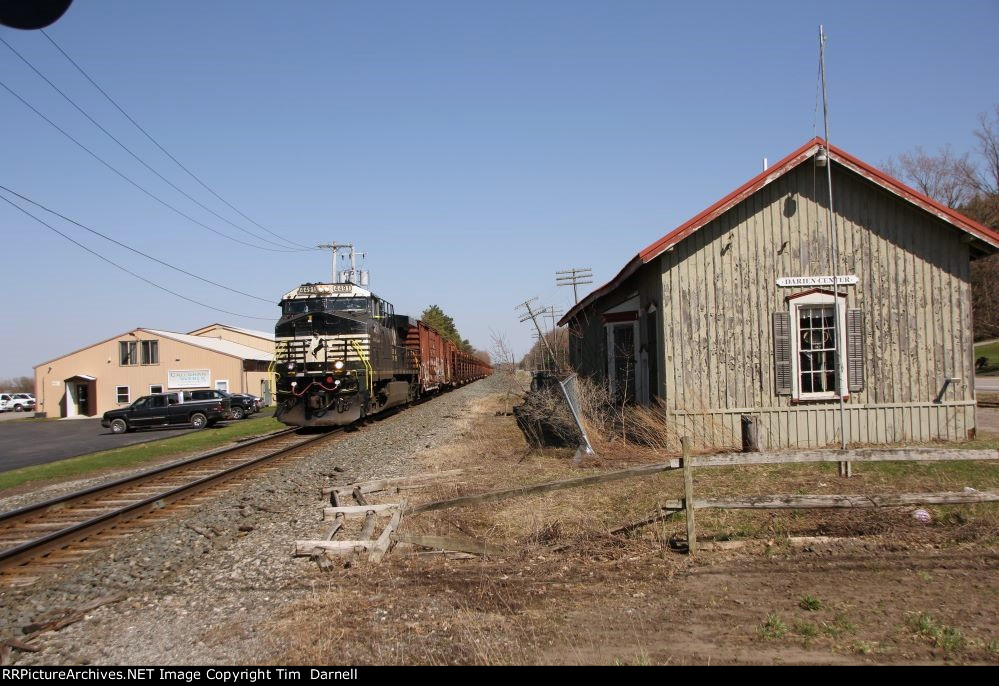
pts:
[21, 401]
[5, 399]
[240, 404]
[166, 409]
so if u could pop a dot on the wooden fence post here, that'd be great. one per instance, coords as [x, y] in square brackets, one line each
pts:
[688, 496]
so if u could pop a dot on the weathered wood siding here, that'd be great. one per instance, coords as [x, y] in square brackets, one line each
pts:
[914, 291]
[718, 293]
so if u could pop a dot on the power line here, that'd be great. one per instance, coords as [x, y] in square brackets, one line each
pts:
[128, 247]
[129, 151]
[131, 273]
[126, 178]
[162, 149]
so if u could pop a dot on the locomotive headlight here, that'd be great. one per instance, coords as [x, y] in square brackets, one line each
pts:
[338, 365]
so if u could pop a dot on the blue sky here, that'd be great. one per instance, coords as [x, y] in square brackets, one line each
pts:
[471, 148]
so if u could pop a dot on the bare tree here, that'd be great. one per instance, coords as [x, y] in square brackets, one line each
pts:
[501, 353]
[986, 180]
[943, 177]
[18, 384]
[970, 185]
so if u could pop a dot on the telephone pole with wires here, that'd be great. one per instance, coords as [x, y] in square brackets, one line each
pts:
[530, 313]
[577, 276]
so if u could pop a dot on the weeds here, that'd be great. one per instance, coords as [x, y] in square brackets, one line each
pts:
[772, 628]
[807, 631]
[810, 603]
[945, 637]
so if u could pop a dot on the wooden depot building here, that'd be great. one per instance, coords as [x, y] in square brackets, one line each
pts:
[733, 313]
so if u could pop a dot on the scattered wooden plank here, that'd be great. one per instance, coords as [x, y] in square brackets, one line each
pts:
[322, 561]
[661, 515]
[385, 539]
[305, 548]
[383, 484]
[451, 543]
[688, 496]
[351, 511]
[358, 496]
[21, 645]
[337, 525]
[60, 619]
[368, 528]
[200, 530]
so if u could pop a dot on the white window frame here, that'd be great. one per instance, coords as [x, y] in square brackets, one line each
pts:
[222, 385]
[155, 385]
[611, 371]
[811, 299]
[118, 394]
[153, 346]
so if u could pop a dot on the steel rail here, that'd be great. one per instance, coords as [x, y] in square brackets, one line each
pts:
[135, 478]
[59, 539]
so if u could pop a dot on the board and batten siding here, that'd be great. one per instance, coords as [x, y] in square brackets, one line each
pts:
[719, 292]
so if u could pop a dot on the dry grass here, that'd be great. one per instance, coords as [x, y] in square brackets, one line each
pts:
[547, 601]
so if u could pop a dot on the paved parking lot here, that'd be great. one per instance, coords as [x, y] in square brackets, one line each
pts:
[35, 441]
[10, 416]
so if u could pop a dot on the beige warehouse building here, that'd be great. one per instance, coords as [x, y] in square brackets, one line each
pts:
[115, 372]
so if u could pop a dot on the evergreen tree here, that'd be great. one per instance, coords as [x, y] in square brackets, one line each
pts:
[434, 317]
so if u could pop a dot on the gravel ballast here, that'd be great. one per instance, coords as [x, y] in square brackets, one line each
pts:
[199, 587]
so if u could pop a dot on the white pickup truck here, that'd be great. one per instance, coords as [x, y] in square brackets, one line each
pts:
[16, 402]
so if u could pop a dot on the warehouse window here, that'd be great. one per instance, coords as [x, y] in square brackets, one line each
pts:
[806, 355]
[150, 352]
[121, 394]
[128, 353]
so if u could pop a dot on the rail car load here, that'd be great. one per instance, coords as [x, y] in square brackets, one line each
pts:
[341, 353]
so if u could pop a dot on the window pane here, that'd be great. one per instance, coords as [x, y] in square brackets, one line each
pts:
[817, 354]
[126, 353]
[150, 352]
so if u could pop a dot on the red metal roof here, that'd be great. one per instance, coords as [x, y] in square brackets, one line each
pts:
[782, 167]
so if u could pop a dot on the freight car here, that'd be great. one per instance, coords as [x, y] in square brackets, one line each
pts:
[341, 353]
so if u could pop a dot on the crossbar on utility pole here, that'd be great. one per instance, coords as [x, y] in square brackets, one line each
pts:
[577, 276]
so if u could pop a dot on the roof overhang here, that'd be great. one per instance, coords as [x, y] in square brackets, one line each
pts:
[982, 238]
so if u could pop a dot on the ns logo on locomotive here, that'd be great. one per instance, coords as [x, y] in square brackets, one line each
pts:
[341, 353]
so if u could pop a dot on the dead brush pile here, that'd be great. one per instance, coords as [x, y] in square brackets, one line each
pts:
[546, 420]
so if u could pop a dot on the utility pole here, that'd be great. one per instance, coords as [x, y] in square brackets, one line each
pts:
[554, 313]
[577, 276]
[533, 316]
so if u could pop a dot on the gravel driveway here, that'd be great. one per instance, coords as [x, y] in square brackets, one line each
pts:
[191, 598]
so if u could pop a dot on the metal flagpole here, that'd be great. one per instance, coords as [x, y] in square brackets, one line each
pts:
[844, 467]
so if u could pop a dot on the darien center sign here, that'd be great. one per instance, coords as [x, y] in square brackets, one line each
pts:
[794, 281]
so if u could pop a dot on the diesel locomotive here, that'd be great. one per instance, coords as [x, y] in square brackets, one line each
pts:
[341, 353]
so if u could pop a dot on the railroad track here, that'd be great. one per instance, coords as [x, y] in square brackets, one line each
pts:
[38, 538]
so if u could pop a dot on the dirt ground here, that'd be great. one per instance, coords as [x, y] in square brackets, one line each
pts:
[787, 587]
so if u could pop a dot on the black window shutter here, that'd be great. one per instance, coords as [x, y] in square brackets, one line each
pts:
[854, 350]
[782, 353]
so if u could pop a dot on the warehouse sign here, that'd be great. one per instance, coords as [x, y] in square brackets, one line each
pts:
[189, 378]
[795, 281]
